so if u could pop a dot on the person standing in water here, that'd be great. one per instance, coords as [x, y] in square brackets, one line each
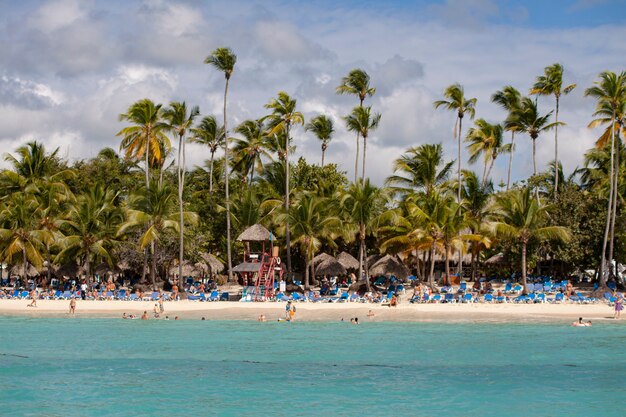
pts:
[73, 306]
[619, 306]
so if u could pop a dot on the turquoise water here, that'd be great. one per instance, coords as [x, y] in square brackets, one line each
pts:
[114, 367]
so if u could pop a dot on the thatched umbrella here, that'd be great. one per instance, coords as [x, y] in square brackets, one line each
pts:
[497, 259]
[329, 266]
[321, 258]
[348, 261]
[70, 269]
[31, 271]
[389, 265]
[215, 266]
[104, 268]
[255, 233]
[189, 270]
[372, 259]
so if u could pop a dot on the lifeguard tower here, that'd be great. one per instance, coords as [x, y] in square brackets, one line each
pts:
[259, 268]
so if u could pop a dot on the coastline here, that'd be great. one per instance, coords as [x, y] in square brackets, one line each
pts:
[319, 312]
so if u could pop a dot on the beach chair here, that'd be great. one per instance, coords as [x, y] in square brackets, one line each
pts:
[463, 287]
[133, 297]
[488, 298]
[297, 297]
[449, 298]
[538, 288]
[192, 297]
[500, 299]
[467, 298]
[66, 295]
[214, 296]
[282, 297]
[436, 298]
[354, 298]
[224, 296]
[508, 288]
[540, 298]
[521, 299]
[121, 295]
[585, 300]
[558, 298]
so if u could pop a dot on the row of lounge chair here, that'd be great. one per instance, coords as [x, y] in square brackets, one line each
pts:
[119, 295]
[530, 298]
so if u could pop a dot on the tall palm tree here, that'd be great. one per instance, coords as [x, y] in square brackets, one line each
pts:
[526, 119]
[179, 121]
[363, 203]
[523, 218]
[455, 101]
[356, 83]
[551, 83]
[88, 228]
[609, 92]
[486, 139]
[145, 138]
[311, 225]
[420, 169]
[283, 117]
[322, 127]
[362, 121]
[510, 100]
[209, 134]
[224, 60]
[154, 213]
[251, 149]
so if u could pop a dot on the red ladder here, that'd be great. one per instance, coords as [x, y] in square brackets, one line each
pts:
[265, 280]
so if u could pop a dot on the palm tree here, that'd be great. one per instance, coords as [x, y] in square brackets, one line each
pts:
[145, 138]
[523, 218]
[510, 100]
[322, 128]
[224, 60]
[210, 135]
[89, 227]
[311, 225]
[420, 169]
[251, 150]
[362, 121]
[179, 121]
[356, 83]
[154, 212]
[526, 119]
[551, 83]
[363, 203]
[457, 102]
[610, 93]
[486, 139]
[283, 117]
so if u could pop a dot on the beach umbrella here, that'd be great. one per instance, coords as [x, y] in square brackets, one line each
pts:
[497, 259]
[70, 270]
[105, 268]
[348, 261]
[254, 233]
[320, 258]
[31, 271]
[215, 265]
[329, 266]
[189, 270]
[389, 265]
[372, 259]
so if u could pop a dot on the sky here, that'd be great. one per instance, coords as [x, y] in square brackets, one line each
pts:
[68, 68]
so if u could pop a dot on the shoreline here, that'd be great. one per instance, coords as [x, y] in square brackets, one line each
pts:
[319, 312]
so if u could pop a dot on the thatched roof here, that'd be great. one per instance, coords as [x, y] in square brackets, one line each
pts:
[372, 259]
[329, 266]
[70, 270]
[321, 258]
[254, 233]
[18, 269]
[389, 265]
[453, 258]
[247, 267]
[348, 261]
[189, 270]
[104, 268]
[215, 265]
[497, 259]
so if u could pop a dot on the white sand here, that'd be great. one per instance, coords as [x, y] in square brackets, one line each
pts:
[307, 311]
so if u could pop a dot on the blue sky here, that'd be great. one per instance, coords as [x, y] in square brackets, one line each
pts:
[70, 67]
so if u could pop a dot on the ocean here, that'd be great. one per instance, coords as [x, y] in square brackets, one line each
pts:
[115, 367]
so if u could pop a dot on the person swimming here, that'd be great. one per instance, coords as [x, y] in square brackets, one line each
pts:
[581, 323]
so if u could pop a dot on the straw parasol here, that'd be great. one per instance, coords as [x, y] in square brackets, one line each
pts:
[70, 269]
[254, 233]
[348, 261]
[321, 258]
[497, 259]
[104, 268]
[214, 264]
[389, 265]
[31, 271]
[329, 266]
[372, 259]
[189, 270]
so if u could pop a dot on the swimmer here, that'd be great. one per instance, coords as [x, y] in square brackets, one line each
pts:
[124, 316]
[202, 318]
[580, 323]
[144, 316]
[370, 313]
[261, 317]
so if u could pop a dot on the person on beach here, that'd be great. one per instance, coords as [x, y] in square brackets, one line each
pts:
[144, 316]
[370, 313]
[580, 323]
[124, 316]
[288, 310]
[33, 296]
[156, 311]
[619, 306]
[261, 318]
[72, 306]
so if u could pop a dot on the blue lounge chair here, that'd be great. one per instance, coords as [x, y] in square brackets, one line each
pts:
[121, 295]
[558, 298]
[540, 298]
[488, 298]
[224, 296]
[436, 298]
[449, 298]
[463, 287]
[508, 288]
[297, 297]
[467, 298]
[66, 295]
[58, 294]
[133, 297]
[215, 296]
[192, 297]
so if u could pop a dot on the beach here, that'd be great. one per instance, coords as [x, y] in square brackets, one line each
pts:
[311, 312]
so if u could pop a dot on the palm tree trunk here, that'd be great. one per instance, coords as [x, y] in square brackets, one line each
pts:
[534, 157]
[424, 256]
[323, 153]
[367, 273]
[25, 266]
[148, 158]
[418, 269]
[524, 266]
[556, 148]
[613, 271]
[459, 157]
[181, 152]
[489, 171]
[431, 275]
[227, 193]
[307, 268]
[484, 181]
[211, 174]
[363, 167]
[508, 177]
[474, 262]
[356, 161]
[153, 266]
[447, 263]
[88, 266]
[602, 284]
[145, 265]
[287, 231]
